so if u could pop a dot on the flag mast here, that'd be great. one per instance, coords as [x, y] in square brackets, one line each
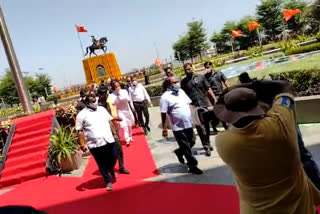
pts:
[81, 46]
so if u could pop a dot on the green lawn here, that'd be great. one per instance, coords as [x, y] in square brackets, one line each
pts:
[275, 55]
[310, 63]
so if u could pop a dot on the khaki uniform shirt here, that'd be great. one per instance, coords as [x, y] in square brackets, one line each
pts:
[264, 158]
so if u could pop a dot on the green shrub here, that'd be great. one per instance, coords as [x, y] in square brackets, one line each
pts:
[36, 108]
[287, 45]
[53, 97]
[155, 90]
[254, 52]
[318, 36]
[301, 80]
[154, 72]
[303, 49]
[179, 72]
[218, 63]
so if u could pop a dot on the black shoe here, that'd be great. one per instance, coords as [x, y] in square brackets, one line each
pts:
[179, 156]
[207, 152]
[211, 148]
[195, 170]
[124, 171]
[145, 130]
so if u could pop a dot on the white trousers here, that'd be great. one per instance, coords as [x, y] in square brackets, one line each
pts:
[127, 133]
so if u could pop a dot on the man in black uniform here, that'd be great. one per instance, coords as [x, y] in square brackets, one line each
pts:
[201, 95]
[216, 80]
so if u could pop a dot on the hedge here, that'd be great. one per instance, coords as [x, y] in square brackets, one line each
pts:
[155, 90]
[305, 82]
[53, 97]
[303, 49]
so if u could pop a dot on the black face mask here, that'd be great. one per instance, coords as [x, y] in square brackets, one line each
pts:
[189, 72]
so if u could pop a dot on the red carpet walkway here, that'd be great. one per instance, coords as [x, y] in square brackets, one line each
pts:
[130, 195]
[29, 148]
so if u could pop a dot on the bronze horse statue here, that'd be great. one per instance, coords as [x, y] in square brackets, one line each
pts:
[97, 44]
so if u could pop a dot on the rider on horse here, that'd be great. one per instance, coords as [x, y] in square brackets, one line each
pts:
[94, 41]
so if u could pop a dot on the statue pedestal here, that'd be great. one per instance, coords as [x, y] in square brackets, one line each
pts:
[101, 67]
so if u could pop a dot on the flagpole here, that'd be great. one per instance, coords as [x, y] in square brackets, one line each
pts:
[231, 41]
[80, 43]
[259, 37]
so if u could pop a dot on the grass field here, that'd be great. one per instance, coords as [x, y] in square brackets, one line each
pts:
[257, 59]
[311, 63]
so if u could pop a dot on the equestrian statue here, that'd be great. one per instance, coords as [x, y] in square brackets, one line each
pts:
[97, 44]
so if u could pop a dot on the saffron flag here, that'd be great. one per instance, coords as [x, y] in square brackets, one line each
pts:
[158, 62]
[55, 90]
[236, 33]
[81, 29]
[289, 13]
[70, 86]
[253, 25]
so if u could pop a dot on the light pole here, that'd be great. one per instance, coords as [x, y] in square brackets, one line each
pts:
[14, 65]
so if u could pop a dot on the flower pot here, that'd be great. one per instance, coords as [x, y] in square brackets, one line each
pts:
[75, 163]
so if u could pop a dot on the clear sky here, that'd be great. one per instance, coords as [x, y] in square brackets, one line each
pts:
[44, 35]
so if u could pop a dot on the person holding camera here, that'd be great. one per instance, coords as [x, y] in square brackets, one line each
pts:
[261, 149]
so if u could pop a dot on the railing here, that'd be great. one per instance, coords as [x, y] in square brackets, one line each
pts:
[6, 147]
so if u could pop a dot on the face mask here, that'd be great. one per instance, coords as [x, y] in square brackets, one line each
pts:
[175, 89]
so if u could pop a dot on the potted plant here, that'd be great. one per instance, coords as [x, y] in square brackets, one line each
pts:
[65, 149]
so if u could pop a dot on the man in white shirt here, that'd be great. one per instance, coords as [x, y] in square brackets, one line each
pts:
[93, 123]
[141, 100]
[176, 104]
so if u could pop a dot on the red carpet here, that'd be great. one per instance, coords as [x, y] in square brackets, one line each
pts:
[29, 148]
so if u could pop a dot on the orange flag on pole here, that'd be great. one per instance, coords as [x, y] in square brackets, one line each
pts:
[81, 29]
[158, 62]
[236, 33]
[253, 25]
[289, 13]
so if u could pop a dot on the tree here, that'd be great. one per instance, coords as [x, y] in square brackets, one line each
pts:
[250, 38]
[223, 38]
[36, 86]
[220, 41]
[296, 23]
[312, 15]
[8, 91]
[269, 14]
[197, 38]
[41, 84]
[181, 48]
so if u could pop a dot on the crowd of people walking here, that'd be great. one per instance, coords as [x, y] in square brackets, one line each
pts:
[262, 143]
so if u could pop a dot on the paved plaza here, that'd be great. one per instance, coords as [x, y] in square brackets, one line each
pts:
[215, 170]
